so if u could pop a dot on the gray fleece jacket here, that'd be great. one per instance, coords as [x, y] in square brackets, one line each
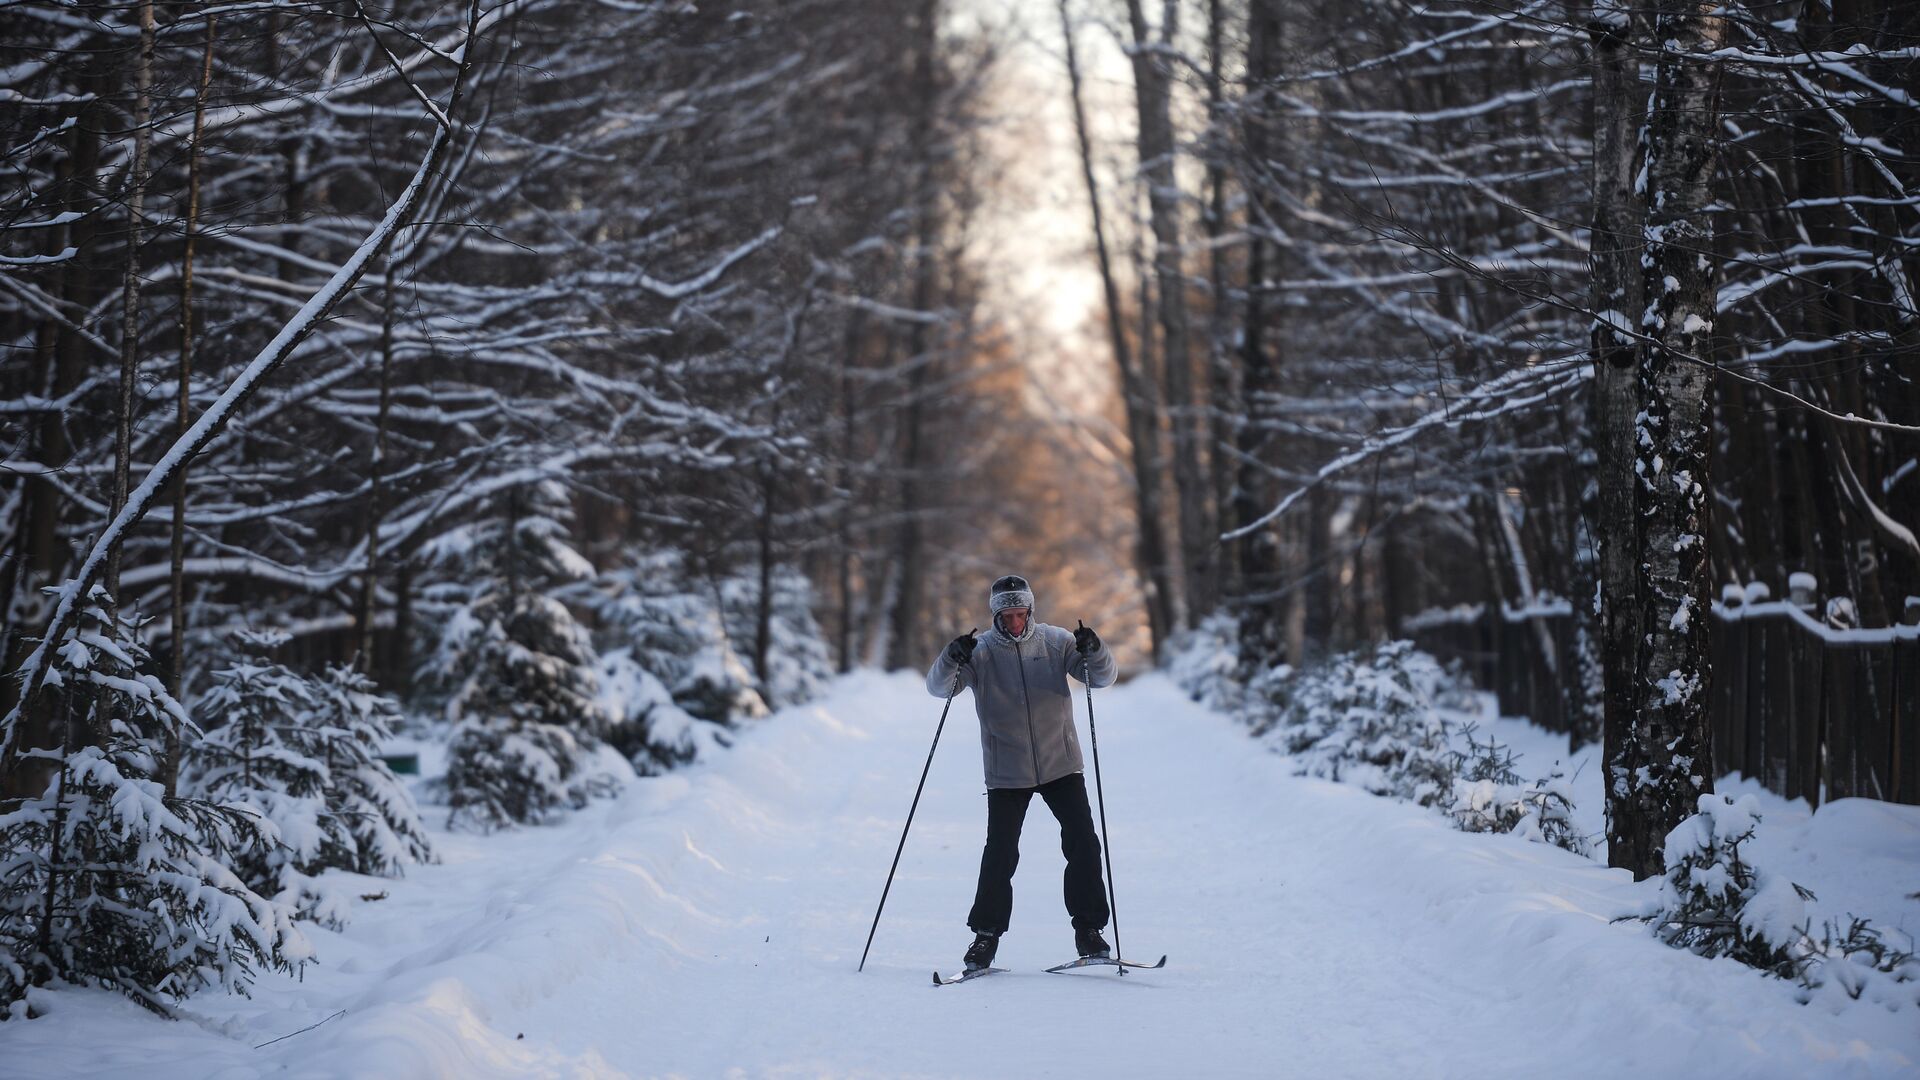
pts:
[1025, 706]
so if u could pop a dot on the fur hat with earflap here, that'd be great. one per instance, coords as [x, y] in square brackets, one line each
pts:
[1012, 591]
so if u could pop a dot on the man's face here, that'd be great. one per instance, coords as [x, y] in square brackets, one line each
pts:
[1013, 620]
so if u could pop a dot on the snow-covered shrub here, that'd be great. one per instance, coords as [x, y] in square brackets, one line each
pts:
[1715, 901]
[515, 671]
[527, 714]
[798, 662]
[677, 628]
[1203, 662]
[381, 820]
[104, 879]
[675, 670]
[1862, 961]
[649, 730]
[1490, 796]
[1448, 684]
[1373, 718]
[302, 754]
[1368, 719]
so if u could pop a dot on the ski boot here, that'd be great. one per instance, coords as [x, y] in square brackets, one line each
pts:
[1090, 943]
[980, 953]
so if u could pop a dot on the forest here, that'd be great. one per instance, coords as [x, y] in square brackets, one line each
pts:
[565, 386]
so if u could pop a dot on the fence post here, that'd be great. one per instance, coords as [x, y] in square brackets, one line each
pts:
[1721, 688]
[1906, 708]
[1777, 703]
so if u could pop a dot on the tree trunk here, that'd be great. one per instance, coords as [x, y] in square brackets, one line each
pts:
[183, 412]
[763, 606]
[843, 521]
[1153, 83]
[1152, 550]
[370, 575]
[130, 286]
[1615, 248]
[1219, 574]
[1666, 761]
[1261, 607]
[910, 554]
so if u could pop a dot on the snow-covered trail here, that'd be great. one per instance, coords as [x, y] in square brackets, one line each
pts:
[708, 924]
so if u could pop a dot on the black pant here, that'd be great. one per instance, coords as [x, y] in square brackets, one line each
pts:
[1086, 893]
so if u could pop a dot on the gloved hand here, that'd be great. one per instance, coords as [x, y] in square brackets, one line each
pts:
[960, 649]
[1086, 640]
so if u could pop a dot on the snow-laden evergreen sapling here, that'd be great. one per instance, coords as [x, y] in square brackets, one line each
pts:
[672, 671]
[675, 626]
[798, 663]
[649, 729]
[104, 879]
[1715, 901]
[1490, 796]
[1204, 662]
[519, 671]
[259, 753]
[1862, 960]
[1369, 720]
[374, 805]
[302, 753]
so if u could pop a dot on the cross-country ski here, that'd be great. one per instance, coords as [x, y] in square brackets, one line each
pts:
[1106, 961]
[964, 976]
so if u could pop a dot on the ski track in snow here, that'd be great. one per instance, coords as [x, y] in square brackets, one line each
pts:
[708, 924]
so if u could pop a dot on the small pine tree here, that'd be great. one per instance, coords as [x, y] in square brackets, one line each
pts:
[104, 879]
[525, 748]
[518, 671]
[1206, 660]
[1370, 720]
[378, 813]
[798, 663]
[259, 752]
[678, 630]
[1715, 902]
[301, 753]
[649, 729]
[1489, 796]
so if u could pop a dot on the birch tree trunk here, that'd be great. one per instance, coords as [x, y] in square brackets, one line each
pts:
[1665, 762]
[1618, 214]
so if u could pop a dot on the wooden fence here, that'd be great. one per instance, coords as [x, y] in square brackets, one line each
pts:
[1810, 710]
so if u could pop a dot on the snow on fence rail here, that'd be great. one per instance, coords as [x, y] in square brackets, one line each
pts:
[1810, 709]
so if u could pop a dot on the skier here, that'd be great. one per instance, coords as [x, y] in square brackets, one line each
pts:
[1018, 672]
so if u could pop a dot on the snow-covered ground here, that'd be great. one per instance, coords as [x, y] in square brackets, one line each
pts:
[708, 923]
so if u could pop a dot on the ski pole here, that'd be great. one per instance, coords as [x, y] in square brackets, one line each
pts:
[910, 810]
[1113, 905]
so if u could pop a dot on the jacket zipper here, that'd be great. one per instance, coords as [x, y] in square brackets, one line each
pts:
[1033, 747]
